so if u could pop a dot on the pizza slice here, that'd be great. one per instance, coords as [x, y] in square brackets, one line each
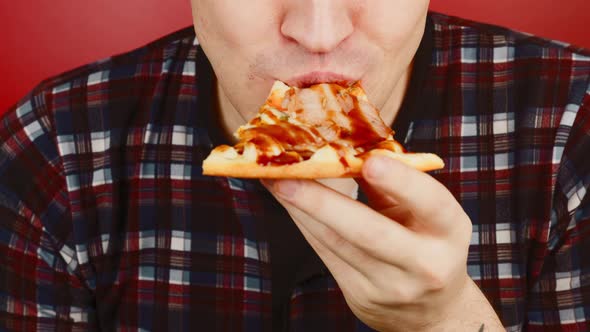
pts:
[322, 131]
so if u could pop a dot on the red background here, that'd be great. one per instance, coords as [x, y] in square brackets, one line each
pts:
[43, 38]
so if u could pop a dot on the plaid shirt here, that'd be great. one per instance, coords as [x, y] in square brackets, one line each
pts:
[106, 221]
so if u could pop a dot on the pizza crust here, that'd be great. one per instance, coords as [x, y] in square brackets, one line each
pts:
[325, 163]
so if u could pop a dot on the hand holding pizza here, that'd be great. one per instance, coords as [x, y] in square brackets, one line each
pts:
[401, 263]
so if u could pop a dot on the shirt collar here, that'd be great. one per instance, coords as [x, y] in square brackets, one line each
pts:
[414, 105]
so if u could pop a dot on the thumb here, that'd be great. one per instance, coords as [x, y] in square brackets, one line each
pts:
[414, 191]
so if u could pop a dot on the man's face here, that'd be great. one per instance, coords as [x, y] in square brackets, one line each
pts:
[253, 43]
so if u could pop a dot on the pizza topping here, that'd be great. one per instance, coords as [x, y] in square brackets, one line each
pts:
[368, 117]
[287, 136]
[296, 123]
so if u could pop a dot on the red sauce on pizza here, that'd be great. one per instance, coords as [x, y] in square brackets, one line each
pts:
[340, 120]
[282, 159]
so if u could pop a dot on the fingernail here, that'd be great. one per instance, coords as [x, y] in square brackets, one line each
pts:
[377, 167]
[286, 188]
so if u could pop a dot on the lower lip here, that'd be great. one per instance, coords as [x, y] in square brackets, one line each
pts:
[319, 77]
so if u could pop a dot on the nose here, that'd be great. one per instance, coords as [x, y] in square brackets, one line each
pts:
[318, 25]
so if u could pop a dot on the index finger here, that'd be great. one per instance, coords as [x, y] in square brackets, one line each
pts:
[355, 222]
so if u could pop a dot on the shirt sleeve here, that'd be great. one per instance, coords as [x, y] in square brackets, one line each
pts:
[559, 297]
[40, 287]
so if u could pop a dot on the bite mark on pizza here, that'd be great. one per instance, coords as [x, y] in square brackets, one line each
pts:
[322, 131]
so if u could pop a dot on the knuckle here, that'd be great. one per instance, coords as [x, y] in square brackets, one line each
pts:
[434, 276]
[454, 211]
[406, 294]
[468, 231]
[437, 279]
[365, 299]
[463, 231]
[410, 292]
[375, 297]
[333, 239]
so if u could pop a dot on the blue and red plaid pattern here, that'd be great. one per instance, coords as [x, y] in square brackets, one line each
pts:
[106, 221]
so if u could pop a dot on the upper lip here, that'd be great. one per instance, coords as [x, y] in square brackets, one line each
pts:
[317, 77]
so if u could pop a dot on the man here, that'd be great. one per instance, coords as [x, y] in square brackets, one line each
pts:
[107, 222]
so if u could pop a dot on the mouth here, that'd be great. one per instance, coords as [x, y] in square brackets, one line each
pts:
[316, 77]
